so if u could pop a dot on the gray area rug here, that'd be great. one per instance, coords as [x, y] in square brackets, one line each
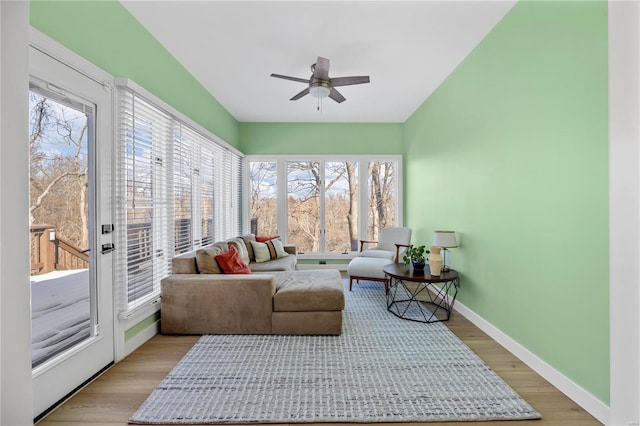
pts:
[381, 369]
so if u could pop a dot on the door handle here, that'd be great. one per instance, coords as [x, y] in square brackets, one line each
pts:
[108, 248]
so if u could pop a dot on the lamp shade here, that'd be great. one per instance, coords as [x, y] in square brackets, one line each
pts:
[446, 239]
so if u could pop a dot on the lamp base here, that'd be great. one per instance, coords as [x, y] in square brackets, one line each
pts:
[445, 269]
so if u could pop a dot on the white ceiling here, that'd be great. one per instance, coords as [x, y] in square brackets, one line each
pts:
[232, 47]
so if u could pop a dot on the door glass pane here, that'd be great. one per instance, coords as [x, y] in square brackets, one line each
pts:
[263, 208]
[382, 197]
[303, 205]
[341, 206]
[59, 224]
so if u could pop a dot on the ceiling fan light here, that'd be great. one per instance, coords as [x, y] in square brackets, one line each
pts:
[319, 91]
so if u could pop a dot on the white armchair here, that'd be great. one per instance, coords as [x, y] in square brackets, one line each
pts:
[391, 245]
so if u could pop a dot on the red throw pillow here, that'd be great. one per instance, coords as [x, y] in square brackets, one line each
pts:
[231, 262]
[265, 239]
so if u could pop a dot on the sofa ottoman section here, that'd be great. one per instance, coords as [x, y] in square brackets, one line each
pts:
[217, 304]
[308, 302]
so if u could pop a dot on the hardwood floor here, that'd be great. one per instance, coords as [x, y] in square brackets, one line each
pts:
[113, 397]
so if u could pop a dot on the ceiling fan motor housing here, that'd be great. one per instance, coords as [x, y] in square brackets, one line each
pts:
[319, 88]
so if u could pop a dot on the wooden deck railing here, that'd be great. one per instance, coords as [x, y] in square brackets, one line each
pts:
[69, 257]
[51, 253]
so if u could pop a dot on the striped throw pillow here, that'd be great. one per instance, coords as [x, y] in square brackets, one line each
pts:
[268, 250]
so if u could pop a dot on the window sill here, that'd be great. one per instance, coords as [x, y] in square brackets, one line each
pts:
[327, 256]
[143, 310]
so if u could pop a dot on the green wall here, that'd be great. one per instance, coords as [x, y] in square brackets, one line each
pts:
[106, 34]
[321, 138]
[511, 152]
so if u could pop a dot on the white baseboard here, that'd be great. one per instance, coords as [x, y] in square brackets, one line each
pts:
[139, 339]
[580, 396]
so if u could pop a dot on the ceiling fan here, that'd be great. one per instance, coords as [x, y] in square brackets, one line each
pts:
[320, 85]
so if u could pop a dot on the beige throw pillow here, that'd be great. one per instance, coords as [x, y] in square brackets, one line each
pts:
[239, 244]
[247, 242]
[206, 260]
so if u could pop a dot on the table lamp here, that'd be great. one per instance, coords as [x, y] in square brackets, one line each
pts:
[445, 239]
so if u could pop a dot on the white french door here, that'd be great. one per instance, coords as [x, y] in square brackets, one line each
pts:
[70, 217]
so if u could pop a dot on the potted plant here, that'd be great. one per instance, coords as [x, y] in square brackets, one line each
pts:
[417, 256]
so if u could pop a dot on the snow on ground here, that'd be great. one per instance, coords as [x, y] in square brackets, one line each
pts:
[60, 312]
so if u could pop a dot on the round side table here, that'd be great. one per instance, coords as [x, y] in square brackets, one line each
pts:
[419, 296]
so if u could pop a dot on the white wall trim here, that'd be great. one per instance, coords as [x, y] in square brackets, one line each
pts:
[140, 338]
[71, 59]
[16, 389]
[130, 319]
[591, 404]
[624, 210]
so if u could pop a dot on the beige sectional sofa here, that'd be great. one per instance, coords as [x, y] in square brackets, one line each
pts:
[274, 299]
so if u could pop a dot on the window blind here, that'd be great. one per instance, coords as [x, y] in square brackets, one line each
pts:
[237, 196]
[143, 198]
[177, 189]
[227, 184]
[206, 194]
[183, 172]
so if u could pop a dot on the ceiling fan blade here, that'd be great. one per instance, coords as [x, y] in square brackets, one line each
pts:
[286, 77]
[347, 81]
[336, 96]
[322, 69]
[301, 94]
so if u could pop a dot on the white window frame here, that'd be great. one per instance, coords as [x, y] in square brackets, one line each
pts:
[281, 176]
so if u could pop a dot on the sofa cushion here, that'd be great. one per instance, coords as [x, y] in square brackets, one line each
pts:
[248, 238]
[269, 250]
[279, 247]
[206, 260]
[241, 247]
[184, 265]
[265, 239]
[223, 245]
[306, 291]
[380, 254]
[231, 263]
[283, 264]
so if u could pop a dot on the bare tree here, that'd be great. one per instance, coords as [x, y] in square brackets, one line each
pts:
[352, 216]
[376, 194]
[263, 205]
[304, 204]
[58, 178]
[381, 197]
